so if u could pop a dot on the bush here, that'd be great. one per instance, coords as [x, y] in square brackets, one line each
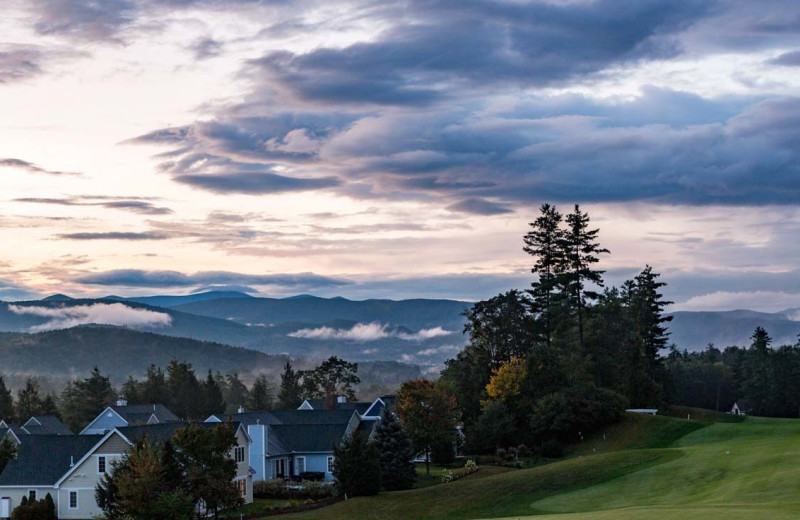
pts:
[471, 466]
[305, 490]
[43, 509]
[494, 428]
[312, 476]
[523, 451]
[447, 476]
[552, 449]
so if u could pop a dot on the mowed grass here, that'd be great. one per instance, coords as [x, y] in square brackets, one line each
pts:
[710, 471]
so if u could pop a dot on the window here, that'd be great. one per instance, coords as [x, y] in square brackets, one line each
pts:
[32, 495]
[330, 464]
[242, 485]
[101, 465]
[300, 465]
[73, 500]
[238, 454]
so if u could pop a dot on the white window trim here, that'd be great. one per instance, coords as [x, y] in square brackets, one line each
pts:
[330, 461]
[296, 469]
[105, 464]
[77, 500]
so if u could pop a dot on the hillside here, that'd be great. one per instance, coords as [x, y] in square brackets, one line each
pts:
[695, 330]
[414, 314]
[121, 352]
[713, 471]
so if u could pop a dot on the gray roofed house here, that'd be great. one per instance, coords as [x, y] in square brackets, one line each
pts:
[46, 425]
[43, 459]
[305, 438]
[341, 404]
[123, 414]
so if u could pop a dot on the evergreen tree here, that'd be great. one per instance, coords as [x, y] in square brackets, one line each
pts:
[83, 399]
[211, 398]
[545, 243]
[155, 389]
[396, 453]
[235, 393]
[29, 401]
[261, 397]
[581, 252]
[357, 466]
[290, 395]
[186, 396]
[8, 451]
[758, 381]
[6, 402]
[648, 306]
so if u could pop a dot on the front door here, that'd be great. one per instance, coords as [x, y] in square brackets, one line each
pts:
[280, 468]
[5, 507]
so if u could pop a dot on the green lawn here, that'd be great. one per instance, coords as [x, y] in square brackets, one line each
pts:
[259, 506]
[665, 468]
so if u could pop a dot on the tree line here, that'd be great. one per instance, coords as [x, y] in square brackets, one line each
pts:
[181, 390]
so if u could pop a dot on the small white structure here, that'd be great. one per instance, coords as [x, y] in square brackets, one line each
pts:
[645, 411]
[740, 407]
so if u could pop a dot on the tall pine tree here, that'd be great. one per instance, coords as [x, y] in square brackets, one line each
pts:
[260, 397]
[581, 251]
[6, 402]
[545, 243]
[290, 395]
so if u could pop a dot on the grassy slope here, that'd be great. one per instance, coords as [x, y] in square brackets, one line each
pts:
[724, 471]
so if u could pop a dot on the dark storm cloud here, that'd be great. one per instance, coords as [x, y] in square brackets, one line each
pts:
[479, 207]
[141, 278]
[255, 183]
[133, 204]
[482, 43]
[29, 166]
[115, 235]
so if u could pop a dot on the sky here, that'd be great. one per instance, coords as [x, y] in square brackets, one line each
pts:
[396, 149]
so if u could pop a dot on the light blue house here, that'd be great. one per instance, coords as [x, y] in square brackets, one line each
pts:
[123, 414]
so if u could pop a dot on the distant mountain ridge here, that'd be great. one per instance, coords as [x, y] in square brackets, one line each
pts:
[694, 330]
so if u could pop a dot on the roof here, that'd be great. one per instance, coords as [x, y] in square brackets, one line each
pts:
[161, 432]
[43, 459]
[46, 425]
[277, 417]
[135, 414]
[367, 427]
[304, 438]
[743, 404]
[319, 404]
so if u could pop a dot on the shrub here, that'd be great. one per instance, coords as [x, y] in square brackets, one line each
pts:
[304, 490]
[552, 449]
[502, 454]
[43, 509]
[523, 451]
[312, 476]
[357, 466]
[471, 466]
[447, 476]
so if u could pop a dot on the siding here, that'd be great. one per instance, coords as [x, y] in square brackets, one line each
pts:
[103, 423]
[16, 494]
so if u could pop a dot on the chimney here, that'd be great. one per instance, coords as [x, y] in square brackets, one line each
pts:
[122, 402]
[240, 410]
[341, 399]
[71, 461]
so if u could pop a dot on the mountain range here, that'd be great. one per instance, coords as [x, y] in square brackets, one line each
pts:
[416, 332]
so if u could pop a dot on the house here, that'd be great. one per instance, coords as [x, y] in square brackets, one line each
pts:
[123, 414]
[741, 407]
[45, 425]
[366, 409]
[70, 466]
[36, 425]
[287, 443]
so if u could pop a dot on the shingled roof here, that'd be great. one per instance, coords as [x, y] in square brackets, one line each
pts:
[46, 425]
[319, 404]
[43, 459]
[140, 413]
[161, 432]
[304, 438]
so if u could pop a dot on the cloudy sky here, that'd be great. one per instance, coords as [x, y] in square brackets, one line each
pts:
[396, 149]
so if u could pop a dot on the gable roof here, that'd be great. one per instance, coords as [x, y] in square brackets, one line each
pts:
[135, 414]
[304, 438]
[43, 459]
[46, 425]
[161, 432]
[319, 404]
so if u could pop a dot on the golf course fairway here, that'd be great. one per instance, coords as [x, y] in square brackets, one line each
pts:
[708, 471]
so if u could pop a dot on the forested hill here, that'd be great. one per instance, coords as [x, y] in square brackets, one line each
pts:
[695, 330]
[121, 352]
